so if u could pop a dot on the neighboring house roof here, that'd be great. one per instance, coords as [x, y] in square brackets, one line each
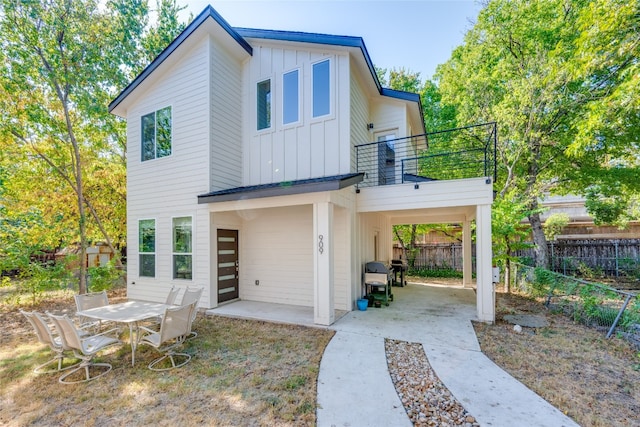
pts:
[285, 188]
[239, 34]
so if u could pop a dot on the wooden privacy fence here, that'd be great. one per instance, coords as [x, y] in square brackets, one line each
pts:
[618, 258]
[437, 256]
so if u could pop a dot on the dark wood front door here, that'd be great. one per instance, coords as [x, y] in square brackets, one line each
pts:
[227, 265]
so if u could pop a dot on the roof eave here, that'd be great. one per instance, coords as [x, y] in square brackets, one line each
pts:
[286, 188]
[315, 38]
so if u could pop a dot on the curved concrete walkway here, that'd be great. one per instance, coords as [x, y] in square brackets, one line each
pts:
[354, 386]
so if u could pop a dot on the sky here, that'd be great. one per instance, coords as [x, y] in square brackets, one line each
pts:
[417, 35]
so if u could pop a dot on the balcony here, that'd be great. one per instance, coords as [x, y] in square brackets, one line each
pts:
[460, 153]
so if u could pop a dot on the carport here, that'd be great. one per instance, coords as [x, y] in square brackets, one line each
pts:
[436, 202]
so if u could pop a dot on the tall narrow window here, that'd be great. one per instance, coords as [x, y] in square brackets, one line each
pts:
[182, 249]
[156, 134]
[264, 104]
[321, 89]
[290, 98]
[147, 247]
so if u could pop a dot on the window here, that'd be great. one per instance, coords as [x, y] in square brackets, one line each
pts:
[156, 134]
[182, 238]
[264, 104]
[147, 247]
[321, 89]
[290, 109]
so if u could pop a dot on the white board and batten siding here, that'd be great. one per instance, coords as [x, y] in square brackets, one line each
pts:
[167, 187]
[311, 147]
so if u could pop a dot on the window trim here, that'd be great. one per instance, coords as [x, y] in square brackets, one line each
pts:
[270, 111]
[155, 247]
[330, 89]
[174, 253]
[298, 120]
[155, 136]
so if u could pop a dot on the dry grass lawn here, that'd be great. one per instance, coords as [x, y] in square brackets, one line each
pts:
[594, 380]
[253, 373]
[242, 373]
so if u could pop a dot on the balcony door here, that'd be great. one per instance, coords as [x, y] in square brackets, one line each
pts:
[386, 156]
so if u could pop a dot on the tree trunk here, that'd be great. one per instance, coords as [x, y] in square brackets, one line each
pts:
[412, 246]
[402, 245]
[539, 240]
[507, 269]
[82, 217]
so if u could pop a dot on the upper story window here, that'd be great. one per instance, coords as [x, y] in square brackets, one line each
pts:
[321, 89]
[147, 247]
[264, 104]
[290, 97]
[156, 134]
[182, 248]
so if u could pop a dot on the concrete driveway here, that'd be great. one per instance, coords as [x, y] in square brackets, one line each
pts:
[354, 386]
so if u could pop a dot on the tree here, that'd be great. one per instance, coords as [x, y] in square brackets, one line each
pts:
[63, 60]
[530, 67]
[509, 234]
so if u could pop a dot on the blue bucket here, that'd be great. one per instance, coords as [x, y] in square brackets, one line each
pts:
[362, 304]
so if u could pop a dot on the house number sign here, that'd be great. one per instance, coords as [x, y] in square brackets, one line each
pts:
[320, 244]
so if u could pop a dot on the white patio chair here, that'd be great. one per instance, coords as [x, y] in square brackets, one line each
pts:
[84, 348]
[171, 297]
[171, 300]
[192, 296]
[87, 301]
[174, 329]
[47, 336]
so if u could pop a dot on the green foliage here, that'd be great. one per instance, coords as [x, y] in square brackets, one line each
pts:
[104, 277]
[62, 155]
[509, 234]
[560, 78]
[555, 224]
[544, 283]
[630, 267]
[36, 279]
[607, 207]
[589, 303]
[5, 282]
[441, 272]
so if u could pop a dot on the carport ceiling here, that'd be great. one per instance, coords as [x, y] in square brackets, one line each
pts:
[449, 215]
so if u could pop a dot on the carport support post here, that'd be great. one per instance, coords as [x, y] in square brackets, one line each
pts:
[485, 299]
[467, 270]
[323, 312]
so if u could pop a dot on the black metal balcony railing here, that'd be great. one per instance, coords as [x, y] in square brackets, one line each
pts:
[465, 152]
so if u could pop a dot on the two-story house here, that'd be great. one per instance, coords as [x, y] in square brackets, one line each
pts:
[271, 165]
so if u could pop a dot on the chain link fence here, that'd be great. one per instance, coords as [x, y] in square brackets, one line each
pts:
[592, 304]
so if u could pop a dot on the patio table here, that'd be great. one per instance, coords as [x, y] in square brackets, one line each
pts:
[130, 312]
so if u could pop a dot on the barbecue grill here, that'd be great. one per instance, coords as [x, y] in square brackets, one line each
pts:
[398, 266]
[377, 283]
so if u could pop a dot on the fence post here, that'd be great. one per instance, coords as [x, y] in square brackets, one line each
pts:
[615, 322]
[616, 252]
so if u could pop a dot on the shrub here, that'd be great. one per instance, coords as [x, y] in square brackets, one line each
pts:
[104, 277]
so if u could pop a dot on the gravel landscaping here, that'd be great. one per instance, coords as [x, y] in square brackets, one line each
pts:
[427, 401]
